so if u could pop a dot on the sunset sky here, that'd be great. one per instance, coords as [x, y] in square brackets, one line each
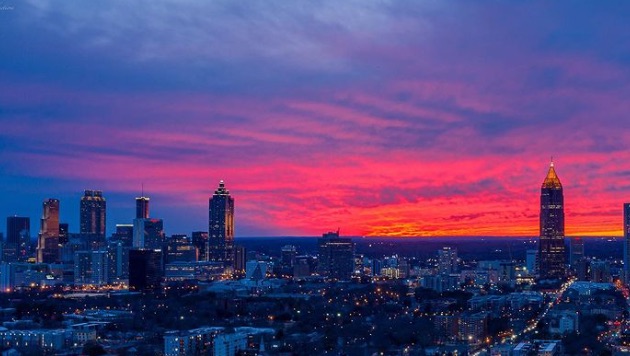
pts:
[402, 118]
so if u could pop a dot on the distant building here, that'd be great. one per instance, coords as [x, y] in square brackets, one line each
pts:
[551, 256]
[18, 229]
[287, 255]
[447, 261]
[626, 242]
[600, 272]
[179, 248]
[221, 227]
[202, 271]
[17, 239]
[473, 327]
[64, 234]
[91, 268]
[148, 234]
[204, 341]
[48, 240]
[123, 234]
[240, 258]
[118, 261]
[145, 269]
[200, 240]
[531, 261]
[142, 207]
[335, 256]
[22, 274]
[256, 271]
[93, 213]
[576, 250]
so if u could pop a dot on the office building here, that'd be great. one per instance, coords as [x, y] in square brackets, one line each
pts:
[118, 261]
[200, 240]
[148, 234]
[145, 270]
[576, 250]
[123, 234]
[531, 261]
[91, 268]
[626, 242]
[551, 257]
[142, 207]
[221, 227]
[179, 248]
[287, 255]
[17, 239]
[335, 256]
[93, 213]
[18, 229]
[240, 258]
[48, 240]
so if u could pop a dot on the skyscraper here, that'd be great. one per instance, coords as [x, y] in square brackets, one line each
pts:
[142, 207]
[148, 233]
[335, 256]
[551, 246]
[18, 236]
[18, 229]
[626, 242]
[48, 241]
[447, 261]
[221, 227]
[145, 269]
[64, 233]
[93, 213]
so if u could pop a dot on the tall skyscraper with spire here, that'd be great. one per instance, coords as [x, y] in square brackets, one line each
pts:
[626, 243]
[48, 241]
[93, 213]
[551, 246]
[221, 227]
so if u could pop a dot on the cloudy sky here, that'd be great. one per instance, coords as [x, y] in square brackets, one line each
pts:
[378, 117]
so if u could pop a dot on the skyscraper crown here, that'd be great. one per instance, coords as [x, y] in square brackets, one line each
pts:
[551, 180]
[221, 190]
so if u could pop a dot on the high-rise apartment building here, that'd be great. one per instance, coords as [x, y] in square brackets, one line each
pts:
[93, 213]
[551, 256]
[48, 241]
[221, 227]
[447, 261]
[335, 256]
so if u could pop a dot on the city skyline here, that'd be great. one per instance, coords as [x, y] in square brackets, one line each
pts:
[382, 118]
